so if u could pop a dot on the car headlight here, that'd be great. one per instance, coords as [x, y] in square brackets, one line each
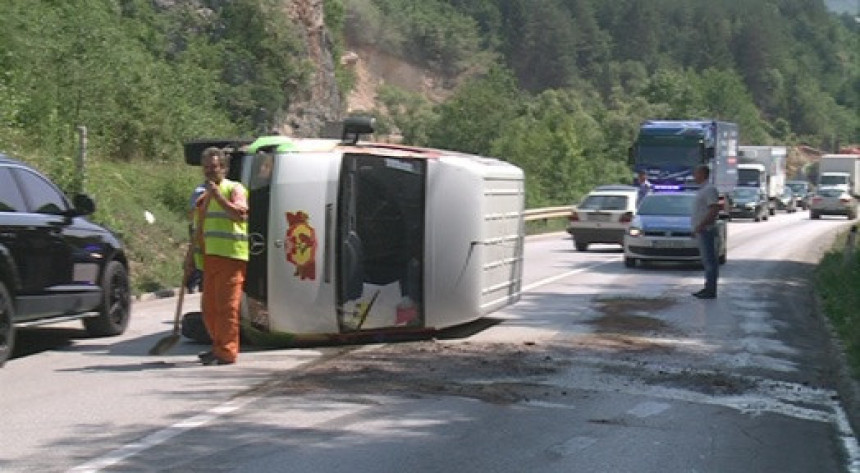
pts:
[634, 231]
[750, 205]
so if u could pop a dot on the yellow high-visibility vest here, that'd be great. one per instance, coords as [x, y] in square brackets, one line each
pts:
[222, 236]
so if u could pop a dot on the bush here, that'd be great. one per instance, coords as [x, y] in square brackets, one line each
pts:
[837, 279]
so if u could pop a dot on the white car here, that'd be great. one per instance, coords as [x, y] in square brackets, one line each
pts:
[661, 231]
[603, 216]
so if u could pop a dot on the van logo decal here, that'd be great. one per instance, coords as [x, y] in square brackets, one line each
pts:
[301, 245]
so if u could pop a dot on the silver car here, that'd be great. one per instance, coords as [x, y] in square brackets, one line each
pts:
[603, 216]
[832, 201]
[662, 231]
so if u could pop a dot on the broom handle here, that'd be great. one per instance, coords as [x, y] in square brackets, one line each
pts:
[176, 328]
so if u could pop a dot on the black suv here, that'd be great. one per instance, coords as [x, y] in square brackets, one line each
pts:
[55, 265]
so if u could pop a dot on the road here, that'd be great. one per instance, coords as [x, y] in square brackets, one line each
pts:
[599, 368]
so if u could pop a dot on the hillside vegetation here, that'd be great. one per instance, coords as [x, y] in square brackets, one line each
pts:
[555, 86]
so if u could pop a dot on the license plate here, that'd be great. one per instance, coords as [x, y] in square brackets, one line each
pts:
[667, 244]
[599, 217]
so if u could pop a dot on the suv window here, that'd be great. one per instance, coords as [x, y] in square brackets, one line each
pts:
[41, 195]
[10, 197]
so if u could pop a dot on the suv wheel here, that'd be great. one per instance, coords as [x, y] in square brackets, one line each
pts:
[581, 246]
[7, 326]
[116, 303]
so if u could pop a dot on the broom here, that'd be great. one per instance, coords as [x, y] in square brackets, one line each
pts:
[165, 344]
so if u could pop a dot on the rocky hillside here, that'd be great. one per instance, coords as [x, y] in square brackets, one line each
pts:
[371, 68]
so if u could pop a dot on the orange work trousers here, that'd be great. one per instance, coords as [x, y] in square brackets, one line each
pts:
[222, 295]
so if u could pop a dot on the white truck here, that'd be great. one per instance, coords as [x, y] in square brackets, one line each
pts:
[840, 170]
[764, 167]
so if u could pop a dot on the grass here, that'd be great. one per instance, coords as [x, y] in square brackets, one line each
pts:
[837, 282]
[550, 225]
[123, 193]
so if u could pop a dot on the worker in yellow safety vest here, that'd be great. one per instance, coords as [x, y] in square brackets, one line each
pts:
[222, 238]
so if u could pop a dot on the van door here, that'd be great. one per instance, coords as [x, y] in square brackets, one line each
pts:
[380, 238]
[260, 167]
[300, 290]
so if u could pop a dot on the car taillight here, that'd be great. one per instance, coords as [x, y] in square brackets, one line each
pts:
[574, 217]
[845, 201]
[816, 199]
[627, 217]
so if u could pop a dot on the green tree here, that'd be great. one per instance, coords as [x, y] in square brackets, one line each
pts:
[477, 113]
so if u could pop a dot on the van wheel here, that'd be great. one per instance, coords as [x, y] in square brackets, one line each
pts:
[116, 303]
[814, 215]
[630, 262]
[723, 258]
[7, 325]
[581, 246]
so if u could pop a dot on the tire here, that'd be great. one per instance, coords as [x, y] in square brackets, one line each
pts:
[814, 215]
[629, 262]
[115, 310]
[581, 246]
[723, 258]
[7, 326]
[193, 328]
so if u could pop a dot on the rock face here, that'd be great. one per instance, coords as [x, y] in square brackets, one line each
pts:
[308, 112]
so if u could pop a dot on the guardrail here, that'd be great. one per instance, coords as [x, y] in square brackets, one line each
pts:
[546, 213]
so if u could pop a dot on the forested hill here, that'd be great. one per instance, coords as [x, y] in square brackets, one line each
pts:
[571, 79]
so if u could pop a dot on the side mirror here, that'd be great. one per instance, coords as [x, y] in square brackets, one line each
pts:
[84, 204]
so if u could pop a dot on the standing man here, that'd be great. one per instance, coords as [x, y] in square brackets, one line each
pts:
[644, 187]
[706, 209]
[222, 233]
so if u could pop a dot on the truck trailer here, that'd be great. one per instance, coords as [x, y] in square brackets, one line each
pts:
[840, 170]
[763, 166]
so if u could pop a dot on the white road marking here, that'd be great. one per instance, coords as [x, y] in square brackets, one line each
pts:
[557, 277]
[163, 435]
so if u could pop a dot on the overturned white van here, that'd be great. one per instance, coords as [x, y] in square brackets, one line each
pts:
[353, 239]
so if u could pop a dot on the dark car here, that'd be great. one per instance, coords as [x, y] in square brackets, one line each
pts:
[55, 265]
[802, 193]
[749, 202]
[786, 201]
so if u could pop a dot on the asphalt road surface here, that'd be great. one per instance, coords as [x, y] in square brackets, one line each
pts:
[599, 368]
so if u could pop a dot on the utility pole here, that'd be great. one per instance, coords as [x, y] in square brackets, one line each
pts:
[80, 169]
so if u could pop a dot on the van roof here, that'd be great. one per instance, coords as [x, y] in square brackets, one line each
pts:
[286, 144]
[310, 145]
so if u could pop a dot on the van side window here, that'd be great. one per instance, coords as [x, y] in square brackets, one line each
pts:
[10, 197]
[41, 196]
